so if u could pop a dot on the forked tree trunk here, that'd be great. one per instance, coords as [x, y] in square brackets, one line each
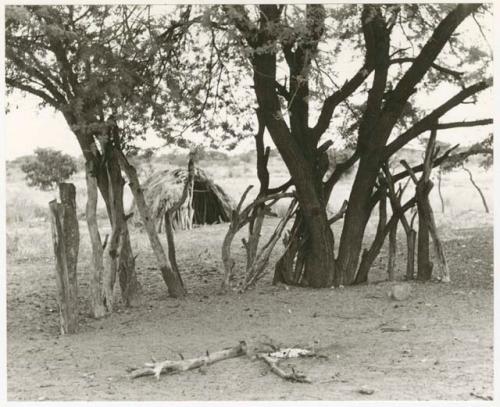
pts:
[171, 277]
[97, 272]
[130, 286]
[66, 240]
[308, 259]
[122, 249]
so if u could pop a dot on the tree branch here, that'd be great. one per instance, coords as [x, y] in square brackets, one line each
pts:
[472, 123]
[455, 74]
[426, 58]
[37, 92]
[430, 120]
[332, 101]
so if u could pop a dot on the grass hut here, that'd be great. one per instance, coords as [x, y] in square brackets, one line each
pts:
[207, 204]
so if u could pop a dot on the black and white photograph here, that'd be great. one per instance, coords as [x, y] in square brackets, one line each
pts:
[236, 203]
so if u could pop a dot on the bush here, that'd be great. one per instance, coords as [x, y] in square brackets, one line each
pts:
[48, 167]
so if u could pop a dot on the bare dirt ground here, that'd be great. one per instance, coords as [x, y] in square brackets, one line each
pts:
[444, 352]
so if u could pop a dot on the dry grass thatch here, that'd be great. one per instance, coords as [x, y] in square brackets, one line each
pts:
[210, 204]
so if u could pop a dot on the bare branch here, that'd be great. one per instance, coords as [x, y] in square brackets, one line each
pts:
[455, 74]
[428, 121]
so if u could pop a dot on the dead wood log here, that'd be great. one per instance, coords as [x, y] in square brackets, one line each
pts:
[66, 240]
[171, 366]
[172, 278]
[96, 277]
[273, 359]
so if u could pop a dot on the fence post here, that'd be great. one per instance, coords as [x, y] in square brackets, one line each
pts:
[66, 239]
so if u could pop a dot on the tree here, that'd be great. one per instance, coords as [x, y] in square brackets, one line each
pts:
[277, 36]
[97, 66]
[48, 167]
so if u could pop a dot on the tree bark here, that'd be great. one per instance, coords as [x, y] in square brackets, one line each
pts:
[369, 256]
[424, 265]
[96, 277]
[410, 259]
[66, 239]
[391, 256]
[172, 278]
[356, 217]
[125, 267]
[130, 286]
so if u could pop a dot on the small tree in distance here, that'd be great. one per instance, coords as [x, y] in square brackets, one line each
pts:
[47, 168]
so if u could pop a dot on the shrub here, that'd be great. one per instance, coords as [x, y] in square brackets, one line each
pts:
[48, 167]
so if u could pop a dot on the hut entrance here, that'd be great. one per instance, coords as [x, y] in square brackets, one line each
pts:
[207, 205]
[210, 204]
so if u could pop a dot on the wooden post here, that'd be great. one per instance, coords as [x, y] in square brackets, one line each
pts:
[66, 239]
[391, 261]
[96, 297]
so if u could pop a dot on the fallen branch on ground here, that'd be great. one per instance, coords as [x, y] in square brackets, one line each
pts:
[175, 366]
[271, 358]
[294, 376]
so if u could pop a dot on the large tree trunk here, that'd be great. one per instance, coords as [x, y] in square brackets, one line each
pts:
[356, 217]
[130, 286]
[309, 255]
[319, 259]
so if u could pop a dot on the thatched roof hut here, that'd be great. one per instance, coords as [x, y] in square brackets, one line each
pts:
[209, 204]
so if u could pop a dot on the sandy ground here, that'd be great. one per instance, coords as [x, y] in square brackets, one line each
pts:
[444, 352]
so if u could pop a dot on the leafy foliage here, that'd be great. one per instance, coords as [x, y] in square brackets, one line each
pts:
[48, 167]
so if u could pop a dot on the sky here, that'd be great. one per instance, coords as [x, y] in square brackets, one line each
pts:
[28, 127]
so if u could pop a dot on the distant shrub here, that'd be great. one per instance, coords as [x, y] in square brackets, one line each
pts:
[48, 167]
